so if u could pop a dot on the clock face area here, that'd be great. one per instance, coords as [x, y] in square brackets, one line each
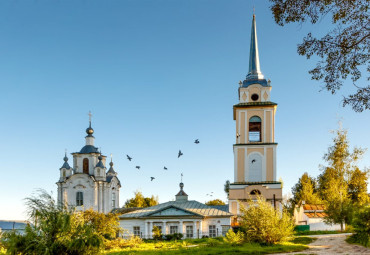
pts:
[254, 97]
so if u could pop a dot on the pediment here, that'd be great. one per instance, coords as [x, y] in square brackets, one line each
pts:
[172, 211]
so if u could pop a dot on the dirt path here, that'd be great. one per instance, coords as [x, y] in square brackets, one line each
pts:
[332, 244]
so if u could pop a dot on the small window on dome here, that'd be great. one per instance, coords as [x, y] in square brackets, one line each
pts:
[85, 166]
[255, 97]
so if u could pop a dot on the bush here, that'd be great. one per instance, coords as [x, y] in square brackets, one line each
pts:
[175, 236]
[263, 224]
[361, 226]
[212, 242]
[233, 238]
[157, 233]
[132, 242]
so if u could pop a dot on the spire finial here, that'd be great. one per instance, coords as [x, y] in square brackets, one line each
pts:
[90, 116]
[181, 176]
[89, 130]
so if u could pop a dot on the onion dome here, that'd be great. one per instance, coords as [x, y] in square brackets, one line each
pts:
[90, 131]
[65, 165]
[100, 163]
[111, 170]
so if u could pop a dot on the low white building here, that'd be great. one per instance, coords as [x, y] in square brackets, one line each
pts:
[313, 215]
[189, 217]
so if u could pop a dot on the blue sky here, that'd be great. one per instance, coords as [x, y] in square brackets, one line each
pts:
[156, 75]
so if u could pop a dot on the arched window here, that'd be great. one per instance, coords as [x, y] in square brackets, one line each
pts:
[64, 173]
[255, 129]
[113, 200]
[79, 198]
[85, 166]
[255, 192]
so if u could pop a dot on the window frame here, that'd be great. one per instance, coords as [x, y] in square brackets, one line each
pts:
[172, 228]
[79, 198]
[254, 128]
[189, 231]
[85, 166]
[212, 230]
[136, 231]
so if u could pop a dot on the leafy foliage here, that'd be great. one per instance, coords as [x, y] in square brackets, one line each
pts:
[133, 242]
[263, 224]
[107, 225]
[140, 201]
[174, 236]
[305, 190]
[227, 188]
[342, 184]
[361, 225]
[233, 238]
[55, 229]
[343, 50]
[215, 202]
[157, 233]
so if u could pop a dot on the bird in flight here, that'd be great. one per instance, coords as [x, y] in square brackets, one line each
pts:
[138, 167]
[180, 154]
[152, 178]
[196, 141]
[164, 168]
[128, 157]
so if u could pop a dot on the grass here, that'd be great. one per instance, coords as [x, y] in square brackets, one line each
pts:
[318, 232]
[212, 246]
[352, 240]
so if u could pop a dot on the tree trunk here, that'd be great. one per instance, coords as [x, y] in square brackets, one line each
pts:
[341, 226]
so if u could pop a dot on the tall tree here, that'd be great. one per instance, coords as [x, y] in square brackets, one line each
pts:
[357, 187]
[334, 182]
[343, 51]
[305, 190]
[140, 201]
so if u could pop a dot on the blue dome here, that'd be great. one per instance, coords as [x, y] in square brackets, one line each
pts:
[89, 149]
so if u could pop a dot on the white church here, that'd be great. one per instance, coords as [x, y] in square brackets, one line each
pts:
[88, 184]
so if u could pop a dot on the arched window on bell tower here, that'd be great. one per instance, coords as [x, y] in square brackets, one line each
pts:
[255, 129]
[85, 165]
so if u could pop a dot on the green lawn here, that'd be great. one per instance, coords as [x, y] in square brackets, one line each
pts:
[211, 246]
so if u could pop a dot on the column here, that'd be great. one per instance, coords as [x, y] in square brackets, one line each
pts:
[164, 227]
[200, 229]
[181, 227]
[145, 230]
[150, 229]
[194, 229]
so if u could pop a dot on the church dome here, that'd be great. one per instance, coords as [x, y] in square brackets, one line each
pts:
[89, 149]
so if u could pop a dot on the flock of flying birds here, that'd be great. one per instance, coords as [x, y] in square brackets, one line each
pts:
[164, 168]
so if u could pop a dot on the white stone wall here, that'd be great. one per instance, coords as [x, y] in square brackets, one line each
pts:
[146, 225]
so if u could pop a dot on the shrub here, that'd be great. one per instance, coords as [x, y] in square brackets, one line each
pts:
[212, 242]
[157, 233]
[263, 224]
[361, 226]
[132, 242]
[233, 238]
[175, 236]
